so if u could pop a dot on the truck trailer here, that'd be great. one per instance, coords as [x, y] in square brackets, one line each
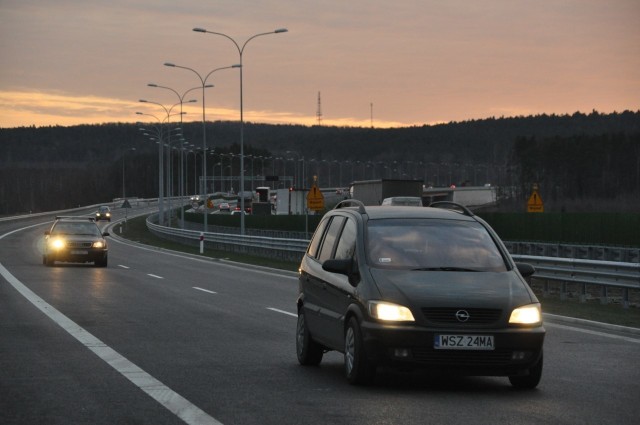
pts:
[372, 192]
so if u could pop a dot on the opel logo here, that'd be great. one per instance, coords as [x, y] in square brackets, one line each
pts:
[462, 315]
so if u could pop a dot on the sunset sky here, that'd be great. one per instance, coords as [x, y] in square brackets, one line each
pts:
[390, 63]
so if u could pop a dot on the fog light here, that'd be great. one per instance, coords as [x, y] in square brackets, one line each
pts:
[401, 352]
[519, 355]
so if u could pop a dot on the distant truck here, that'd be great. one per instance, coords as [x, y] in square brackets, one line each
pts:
[291, 201]
[473, 197]
[373, 192]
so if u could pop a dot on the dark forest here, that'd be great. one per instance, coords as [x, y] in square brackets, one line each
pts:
[581, 162]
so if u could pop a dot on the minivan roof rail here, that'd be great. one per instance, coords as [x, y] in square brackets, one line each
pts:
[444, 204]
[352, 202]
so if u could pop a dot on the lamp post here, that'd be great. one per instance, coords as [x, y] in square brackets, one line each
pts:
[181, 100]
[240, 52]
[204, 129]
[299, 176]
[168, 112]
[160, 170]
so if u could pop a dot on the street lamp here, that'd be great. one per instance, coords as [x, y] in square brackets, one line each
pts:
[204, 130]
[240, 52]
[181, 100]
[169, 115]
[160, 170]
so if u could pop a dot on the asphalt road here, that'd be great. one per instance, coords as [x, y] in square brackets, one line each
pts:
[164, 338]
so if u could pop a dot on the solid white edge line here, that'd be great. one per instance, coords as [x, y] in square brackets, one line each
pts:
[164, 395]
[282, 311]
[590, 332]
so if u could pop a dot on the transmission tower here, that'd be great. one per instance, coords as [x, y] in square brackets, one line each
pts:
[319, 111]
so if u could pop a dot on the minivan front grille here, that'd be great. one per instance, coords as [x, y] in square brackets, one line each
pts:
[474, 316]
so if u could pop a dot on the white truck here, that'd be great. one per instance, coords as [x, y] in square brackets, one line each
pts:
[373, 192]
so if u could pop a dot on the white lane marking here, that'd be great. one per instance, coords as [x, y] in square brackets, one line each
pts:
[590, 332]
[282, 311]
[209, 261]
[174, 402]
[204, 290]
[122, 267]
[153, 275]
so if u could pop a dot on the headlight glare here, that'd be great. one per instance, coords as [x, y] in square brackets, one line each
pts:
[57, 243]
[526, 315]
[98, 244]
[390, 312]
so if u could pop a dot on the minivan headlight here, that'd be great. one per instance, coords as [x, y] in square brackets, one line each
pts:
[526, 315]
[390, 312]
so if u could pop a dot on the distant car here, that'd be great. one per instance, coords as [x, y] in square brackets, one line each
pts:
[103, 213]
[224, 206]
[237, 212]
[429, 287]
[75, 240]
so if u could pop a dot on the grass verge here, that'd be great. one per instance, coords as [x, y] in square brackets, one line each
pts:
[612, 313]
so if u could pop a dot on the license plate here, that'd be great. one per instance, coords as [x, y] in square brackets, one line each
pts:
[463, 342]
[79, 252]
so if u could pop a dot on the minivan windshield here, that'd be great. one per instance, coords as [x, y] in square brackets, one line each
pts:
[432, 244]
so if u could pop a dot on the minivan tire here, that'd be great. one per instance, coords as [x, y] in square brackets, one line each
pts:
[358, 368]
[309, 352]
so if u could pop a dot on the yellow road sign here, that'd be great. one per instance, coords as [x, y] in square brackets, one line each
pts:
[315, 199]
[534, 204]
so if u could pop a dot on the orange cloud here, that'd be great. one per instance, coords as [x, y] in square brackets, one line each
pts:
[35, 108]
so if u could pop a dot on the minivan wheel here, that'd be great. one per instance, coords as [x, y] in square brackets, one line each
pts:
[309, 352]
[358, 368]
[530, 381]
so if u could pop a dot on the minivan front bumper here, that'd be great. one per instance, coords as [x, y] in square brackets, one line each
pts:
[515, 349]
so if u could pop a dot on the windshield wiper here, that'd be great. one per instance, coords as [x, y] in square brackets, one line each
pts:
[444, 269]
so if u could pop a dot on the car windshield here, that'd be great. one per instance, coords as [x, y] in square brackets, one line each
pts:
[76, 229]
[430, 244]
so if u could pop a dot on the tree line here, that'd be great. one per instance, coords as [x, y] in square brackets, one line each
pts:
[588, 161]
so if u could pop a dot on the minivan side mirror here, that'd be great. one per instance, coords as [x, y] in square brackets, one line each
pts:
[345, 267]
[525, 269]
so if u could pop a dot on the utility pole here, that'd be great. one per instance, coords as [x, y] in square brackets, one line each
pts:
[319, 111]
[371, 106]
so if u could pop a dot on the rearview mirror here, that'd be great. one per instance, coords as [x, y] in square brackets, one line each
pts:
[345, 267]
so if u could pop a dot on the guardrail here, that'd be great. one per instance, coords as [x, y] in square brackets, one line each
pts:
[264, 246]
[606, 274]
